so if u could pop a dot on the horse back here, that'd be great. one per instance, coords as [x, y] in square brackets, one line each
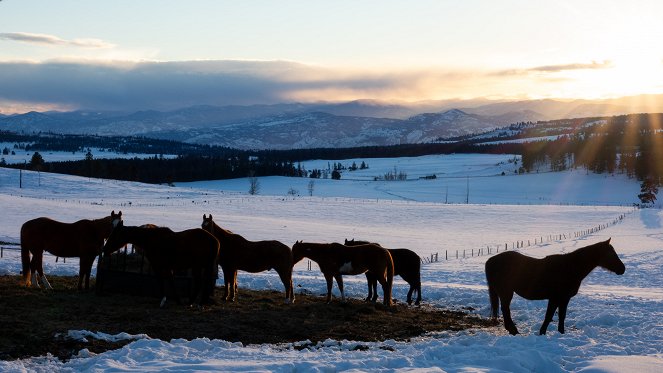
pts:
[406, 262]
[367, 257]
[258, 256]
[531, 278]
[61, 239]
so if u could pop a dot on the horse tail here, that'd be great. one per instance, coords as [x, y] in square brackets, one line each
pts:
[25, 257]
[492, 293]
[390, 278]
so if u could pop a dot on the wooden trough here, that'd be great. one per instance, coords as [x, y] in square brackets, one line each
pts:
[127, 271]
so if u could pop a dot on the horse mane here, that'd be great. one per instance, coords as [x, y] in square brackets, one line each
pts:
[592, 250]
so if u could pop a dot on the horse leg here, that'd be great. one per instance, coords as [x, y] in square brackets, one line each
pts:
[40, 270]
[418, 286]
[509, 325]
[339, 282]
[84, 272]
[374, 285]
[330, 281]
[234, 289]
[562, 314]
[370, 288]
[286, 279]
[409, 294]
[227, 281]
[386, 290]
[34, 275]
[552, 306]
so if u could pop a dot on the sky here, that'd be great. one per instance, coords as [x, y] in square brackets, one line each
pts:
[149, 54]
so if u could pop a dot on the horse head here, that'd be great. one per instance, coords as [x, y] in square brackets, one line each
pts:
[208, 223]
[116, 218]
[299, 251]
[116, 239]
[609, 259]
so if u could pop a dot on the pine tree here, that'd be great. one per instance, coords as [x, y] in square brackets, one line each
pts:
[648, 191]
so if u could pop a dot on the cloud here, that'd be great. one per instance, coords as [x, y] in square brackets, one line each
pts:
[545, 69]
[126, 86]
[171, 85]
[44, 39]
[573, 66]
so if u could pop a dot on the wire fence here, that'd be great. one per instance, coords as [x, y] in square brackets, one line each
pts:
[522, 243]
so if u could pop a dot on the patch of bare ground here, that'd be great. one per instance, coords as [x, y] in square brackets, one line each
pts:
[31, 319]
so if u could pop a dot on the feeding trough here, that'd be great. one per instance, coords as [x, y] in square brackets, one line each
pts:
[128, 271]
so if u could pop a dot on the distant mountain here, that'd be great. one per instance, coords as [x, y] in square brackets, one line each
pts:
[298, 125]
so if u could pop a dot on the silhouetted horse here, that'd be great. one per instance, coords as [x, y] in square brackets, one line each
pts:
[169, 251]
[238, 253]
[82, 239]
[407, 264]
[555, 277]
[336, 260]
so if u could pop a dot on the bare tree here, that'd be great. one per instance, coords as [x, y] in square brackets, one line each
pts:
[311, 186]
[254, 183]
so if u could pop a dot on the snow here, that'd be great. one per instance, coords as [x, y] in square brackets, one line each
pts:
[613, 324]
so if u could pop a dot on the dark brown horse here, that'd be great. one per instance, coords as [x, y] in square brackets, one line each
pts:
[168, 251]
[238, 253]
[336, 260]
[407, 264]
[555, 277]
[82, 239]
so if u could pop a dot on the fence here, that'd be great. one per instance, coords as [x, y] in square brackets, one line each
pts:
[519, 244]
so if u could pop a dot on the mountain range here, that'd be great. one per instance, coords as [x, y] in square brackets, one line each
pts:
[307, 125]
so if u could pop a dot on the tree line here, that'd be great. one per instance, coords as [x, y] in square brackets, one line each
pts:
[629, 144]
[193, 162]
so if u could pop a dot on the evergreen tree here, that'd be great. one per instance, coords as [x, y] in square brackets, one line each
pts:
[648, 191]
[37, 161]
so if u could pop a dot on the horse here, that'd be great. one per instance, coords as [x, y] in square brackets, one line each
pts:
[407, 264]
[555, 277]
[336, 260]
[169, 251]
[81, 239]
[238, 253]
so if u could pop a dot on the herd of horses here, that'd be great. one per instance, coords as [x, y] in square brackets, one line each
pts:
[201, 250]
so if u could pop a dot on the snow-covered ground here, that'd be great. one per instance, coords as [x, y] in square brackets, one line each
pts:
[613, 324]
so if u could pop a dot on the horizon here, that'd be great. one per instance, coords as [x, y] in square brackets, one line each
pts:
[163, 56]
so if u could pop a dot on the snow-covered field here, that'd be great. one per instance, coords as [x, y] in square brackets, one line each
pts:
[613, 324]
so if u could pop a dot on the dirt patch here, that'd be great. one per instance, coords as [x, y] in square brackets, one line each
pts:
[33, 321]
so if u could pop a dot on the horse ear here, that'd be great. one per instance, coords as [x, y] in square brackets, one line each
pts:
[119, 213]
[210, 216]
[113, 212]
[204, 217]
[608, 241]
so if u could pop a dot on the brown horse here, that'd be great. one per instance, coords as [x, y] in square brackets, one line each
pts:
[407, 264]
[336, 260]
[169, 251]
[238, 253]
[82, 239]
[555, 277]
